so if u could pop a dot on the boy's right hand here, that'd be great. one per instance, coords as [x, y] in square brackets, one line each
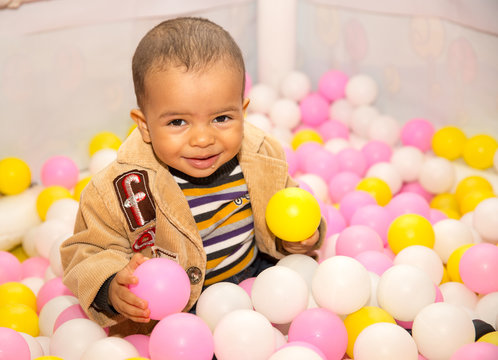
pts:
[120, 296]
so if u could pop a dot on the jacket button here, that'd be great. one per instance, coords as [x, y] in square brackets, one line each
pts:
[194, 274]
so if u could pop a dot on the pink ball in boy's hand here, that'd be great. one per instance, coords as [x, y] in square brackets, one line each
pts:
[164, 285]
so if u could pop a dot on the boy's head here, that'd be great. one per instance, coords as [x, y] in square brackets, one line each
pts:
[189, 80]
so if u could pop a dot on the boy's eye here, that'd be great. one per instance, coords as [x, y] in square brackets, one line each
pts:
[221, 118]
[176, 122]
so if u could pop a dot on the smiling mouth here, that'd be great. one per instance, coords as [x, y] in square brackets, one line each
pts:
[203, 162]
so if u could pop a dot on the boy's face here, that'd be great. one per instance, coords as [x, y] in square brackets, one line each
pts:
[194, 120]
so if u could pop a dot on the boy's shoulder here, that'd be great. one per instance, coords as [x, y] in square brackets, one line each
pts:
[259, 141]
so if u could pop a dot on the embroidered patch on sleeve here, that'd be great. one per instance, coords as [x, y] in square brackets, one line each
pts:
[147, 238]
[132, 189]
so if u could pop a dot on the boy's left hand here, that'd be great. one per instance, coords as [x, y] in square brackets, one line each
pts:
[302, 247]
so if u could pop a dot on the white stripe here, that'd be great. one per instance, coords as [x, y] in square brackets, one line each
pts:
[204, 208]
[239, 239]
[232, 258]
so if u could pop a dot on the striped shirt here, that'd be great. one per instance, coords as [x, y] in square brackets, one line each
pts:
[221, 208]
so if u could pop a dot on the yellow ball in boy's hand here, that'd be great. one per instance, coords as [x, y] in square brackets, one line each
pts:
[48, 196]
[293, 214]
[104, 140]
[15, 176]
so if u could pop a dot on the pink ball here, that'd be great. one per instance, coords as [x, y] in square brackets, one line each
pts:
[52, 288]
[321, 328]
[72, 312]
[304, 186]
[314, 109]
[332, 85]
[405, 324]
[248, 84]
[306, 151]
[375, 261]
[341, 184]
[292, 161]
[418, 133]
[181, 336]
[416, 188]
[141, 343]
[408, 203]
[165, 286]
[439, 294]
[479, 268]
[376, 151]
[477, 350]
[332, 129]
[10, 267]
[323, 163]
[356, 239]
[13, 345]
[34, 267]
[335, 221]
[352, 160]
[247, 285]
[60, 170]
[436, 215]
[353, 201]
[375, 217]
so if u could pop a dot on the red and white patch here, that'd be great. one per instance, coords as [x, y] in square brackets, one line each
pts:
[147, 238]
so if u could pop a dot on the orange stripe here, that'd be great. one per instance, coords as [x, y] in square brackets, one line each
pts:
[203, 191]
[222, 214]
[232, 271]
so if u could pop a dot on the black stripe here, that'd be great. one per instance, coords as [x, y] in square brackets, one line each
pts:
[208, 215]
[232, 265]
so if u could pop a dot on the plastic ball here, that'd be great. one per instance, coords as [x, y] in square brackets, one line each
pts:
[385, 341]
[387, 172]
[297, 350]
[285, 113]
[376, 151]
[445, 201]
[341, 184]
[374, 216]
[332, 84]
[410, 229]
[314, 109]
[315, 185]
[323, 163]
[356, 322]
[219, 299]
[353, 201]
[377, 188]
[302, 264]
[352, 160]
[487, 308]
[17, 293]
[408, 203]
[448, 142]
[341, 110]
[385, 129]
[335, 221]
[491, 337]
[332, 129]
[442, 328]
[64, 210]
[478, 268]
[261, 121]
[483, 219]
[10, 267]
[15, 176]
[293, 214]
[457, 293]
[453, 265]
[47, 233]
[418, 133]
[337, 144]
[104, 140]
[295, 85]
[59, 170]
[424, 259]
[481, 351]
[19, 317]
[471, 183]
[79, 187]
[34, 267]
[244, 334]
[474, 198]
[356, 239]
[141, 343]
[321, 328]
[13, 345]
[262, 98]
[341, 284]
[51, 310]
[48, 196]
[450, 234]
[361, 120]
[408, 161]
[34, 346]
[375, 262]
[101, 159]
[164, 284]
[305, 135]
[71, 312]
[437, 175]
[109, 348]
[50, 290]
[248, 84]
[479, 150]
[361, 90]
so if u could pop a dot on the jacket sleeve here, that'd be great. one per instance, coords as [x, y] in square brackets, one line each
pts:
[98, 249]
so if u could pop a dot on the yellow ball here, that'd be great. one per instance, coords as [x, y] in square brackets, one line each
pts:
[448, 142]
[305, 135]
[454, 262]
[451, 213]
[471, 183]
[17, 293]
[446, 276]
[78, 188]
[473, 198]
[48, 357]
[137, 358]
[376, 187]
[104, 140]
[48, 196]
[293, 214]
[444, 200]
[491, 337]
[356, 322]
[15, 176]
[19, 317]
[19, 253]
[479, 150]
[410, 229]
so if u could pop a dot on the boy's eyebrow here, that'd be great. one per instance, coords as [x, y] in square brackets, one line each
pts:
[178, 113]
[227, 109]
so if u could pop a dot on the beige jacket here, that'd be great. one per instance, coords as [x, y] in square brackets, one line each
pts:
[107, 230]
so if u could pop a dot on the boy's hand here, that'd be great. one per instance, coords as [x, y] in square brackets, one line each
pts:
[122, 299]
[302, 247]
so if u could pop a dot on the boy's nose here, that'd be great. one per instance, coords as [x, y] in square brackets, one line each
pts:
[202, 137]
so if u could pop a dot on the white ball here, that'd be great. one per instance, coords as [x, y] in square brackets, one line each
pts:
[423, 258]
[47, 233]
[408, 161]
[384, 128]
[341, 284]
[440, 329]
[28, 241]
[361, 90]
[44, 342]
[261, 121]
[302, 264]
[361, 118]
[34, 283]
[280, 294]
[317, 184]
[404, 290]
[374, 282]
[283, 135]
[387, 172]
[437, 175]
[262, 98]
[295, 85]
[450, 234]
[110, 348]
[295, 352]
[384, 341]
[280, 339]
[54, 256]
[341, 110]
[101, 159]
[495, 160]
[35, 348]
[218, 300]
[51, 310]
[458, 294]
[285, 113]
[335, 145]
[73, 337]
[487, 308]
[64, 210]
[484, 219]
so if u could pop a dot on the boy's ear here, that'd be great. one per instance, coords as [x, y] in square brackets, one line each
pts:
[139, 119]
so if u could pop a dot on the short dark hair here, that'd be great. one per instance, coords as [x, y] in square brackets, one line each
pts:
[189, 42]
